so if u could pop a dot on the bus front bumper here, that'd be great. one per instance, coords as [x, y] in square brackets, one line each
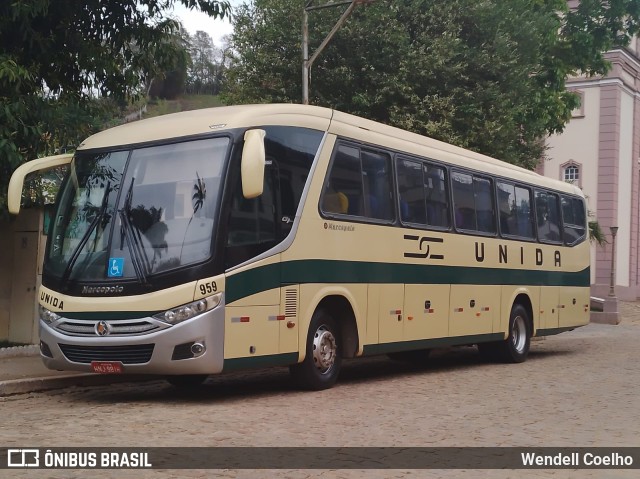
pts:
[167, 351]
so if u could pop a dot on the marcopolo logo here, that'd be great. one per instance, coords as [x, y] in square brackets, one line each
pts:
[102, 289]
[23, 458]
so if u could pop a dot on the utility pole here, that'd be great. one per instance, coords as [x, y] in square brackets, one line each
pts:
[308, 62]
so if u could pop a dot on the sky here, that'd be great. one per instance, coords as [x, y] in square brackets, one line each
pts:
[195, 20]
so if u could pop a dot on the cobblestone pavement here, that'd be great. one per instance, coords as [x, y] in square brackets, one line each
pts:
[580, 388]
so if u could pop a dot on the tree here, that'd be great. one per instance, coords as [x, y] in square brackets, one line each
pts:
[171, 83]
[488, 76]
[207, 65]
[57, 57]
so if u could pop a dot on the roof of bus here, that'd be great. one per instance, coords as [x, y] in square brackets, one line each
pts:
[206, 121]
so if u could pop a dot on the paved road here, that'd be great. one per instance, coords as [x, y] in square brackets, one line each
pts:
[580, 388]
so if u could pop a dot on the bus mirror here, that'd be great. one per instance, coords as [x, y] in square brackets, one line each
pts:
[14, 194]
[253, 161]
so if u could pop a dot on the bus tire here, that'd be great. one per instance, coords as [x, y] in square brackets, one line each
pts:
[322, 362]
[187, 380]
[515, 348]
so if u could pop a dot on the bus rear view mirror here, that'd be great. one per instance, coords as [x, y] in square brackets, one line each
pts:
[14, 195]
[253, 161]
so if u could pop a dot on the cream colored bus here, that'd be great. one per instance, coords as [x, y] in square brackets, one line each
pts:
[250, 236]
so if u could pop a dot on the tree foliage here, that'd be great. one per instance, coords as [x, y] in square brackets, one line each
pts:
[486, 75]
[57, 57]
[208, 64]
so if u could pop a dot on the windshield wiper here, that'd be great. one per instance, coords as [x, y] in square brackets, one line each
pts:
[87, 234]
[139, 258]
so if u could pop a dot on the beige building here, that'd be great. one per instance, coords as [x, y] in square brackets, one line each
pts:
[21, 252]
[599, 151]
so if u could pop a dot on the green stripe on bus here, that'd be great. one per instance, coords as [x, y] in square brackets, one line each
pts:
[373, 349]
[552, 331]
[331, 271]
[283, 359]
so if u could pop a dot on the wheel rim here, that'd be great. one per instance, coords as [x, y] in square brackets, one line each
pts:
[324, 349]
[519, 334]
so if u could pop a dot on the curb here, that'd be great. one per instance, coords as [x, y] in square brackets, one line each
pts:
[22, 386]
[19, 351]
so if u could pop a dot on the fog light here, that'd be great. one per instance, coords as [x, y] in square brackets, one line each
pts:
[197, 349]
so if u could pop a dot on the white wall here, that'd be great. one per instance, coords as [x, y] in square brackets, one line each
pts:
[580, 142]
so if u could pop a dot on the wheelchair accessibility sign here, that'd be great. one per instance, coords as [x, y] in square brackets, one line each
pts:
[115, 268]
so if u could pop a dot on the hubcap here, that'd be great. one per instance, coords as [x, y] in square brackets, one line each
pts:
[324, 349]
[519, 334]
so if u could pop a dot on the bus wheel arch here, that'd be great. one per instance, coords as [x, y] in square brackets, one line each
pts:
[515, 347]
[523, 300]
[332, 335]
[339, 308]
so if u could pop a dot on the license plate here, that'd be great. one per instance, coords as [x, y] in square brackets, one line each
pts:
[106, 367]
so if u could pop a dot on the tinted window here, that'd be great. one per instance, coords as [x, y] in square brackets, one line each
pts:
[423, 193]
[256, 225]
[548, 217]
[473, 203]
[343, 192]
[376, 178]
[412, 195]
[574, 219]
[359, 184]
[514, 205]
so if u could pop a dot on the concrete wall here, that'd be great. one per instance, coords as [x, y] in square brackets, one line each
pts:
[21, 252]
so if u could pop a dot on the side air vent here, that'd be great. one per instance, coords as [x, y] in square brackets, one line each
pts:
[291, 303]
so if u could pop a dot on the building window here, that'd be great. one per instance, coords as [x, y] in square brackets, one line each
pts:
[571, 172]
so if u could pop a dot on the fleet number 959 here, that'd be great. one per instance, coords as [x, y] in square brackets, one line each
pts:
[208, 288]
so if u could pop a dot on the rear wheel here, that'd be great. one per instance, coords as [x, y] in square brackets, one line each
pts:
[322, 361]
[187, 380]
[515, 348]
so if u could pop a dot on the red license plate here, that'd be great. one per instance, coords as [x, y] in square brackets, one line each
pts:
[106, 367]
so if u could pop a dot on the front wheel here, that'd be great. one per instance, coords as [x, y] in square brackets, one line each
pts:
[322, 361]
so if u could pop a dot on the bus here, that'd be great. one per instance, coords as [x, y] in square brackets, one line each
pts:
[288, 235]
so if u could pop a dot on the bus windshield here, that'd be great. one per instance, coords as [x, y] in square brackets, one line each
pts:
[134, 213]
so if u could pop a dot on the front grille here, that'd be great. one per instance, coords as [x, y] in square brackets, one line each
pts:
[136, 354]
[117, 328]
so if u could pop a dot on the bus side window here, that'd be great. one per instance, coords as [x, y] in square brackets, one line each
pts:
[435, 187]
[343, 192]
[252, 223]
[376, 173]
[412, 191]
[473, 203]
[548, 216]
[258, 224]
[573, 219]
[484, 205]
[514, 206]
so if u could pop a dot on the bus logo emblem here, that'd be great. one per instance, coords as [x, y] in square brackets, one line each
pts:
[102, 328]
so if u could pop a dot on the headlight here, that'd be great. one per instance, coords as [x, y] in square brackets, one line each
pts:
[47, 316]
[188, 311]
